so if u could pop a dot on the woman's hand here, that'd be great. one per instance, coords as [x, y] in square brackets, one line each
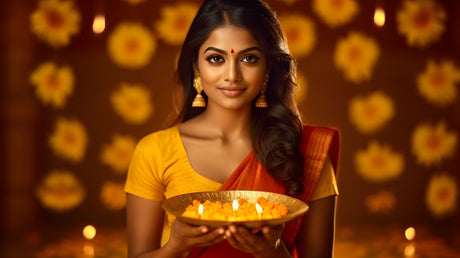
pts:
[184, 236]
[261, 242]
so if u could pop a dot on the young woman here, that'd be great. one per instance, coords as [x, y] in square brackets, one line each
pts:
[238, 129]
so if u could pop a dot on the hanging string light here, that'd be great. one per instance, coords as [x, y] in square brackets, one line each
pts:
[379, 16]
[99, 23]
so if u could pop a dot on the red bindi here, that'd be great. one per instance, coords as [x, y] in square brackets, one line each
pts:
[232, 51]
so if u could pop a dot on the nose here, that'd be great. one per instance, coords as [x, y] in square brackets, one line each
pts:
[232, 72]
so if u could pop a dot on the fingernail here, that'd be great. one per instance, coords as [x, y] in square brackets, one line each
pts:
[221, 231]
[204, 229]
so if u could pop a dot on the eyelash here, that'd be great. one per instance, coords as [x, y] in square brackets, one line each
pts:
[212, 59]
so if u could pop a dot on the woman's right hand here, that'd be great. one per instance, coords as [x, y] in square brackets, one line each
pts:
[184, 236]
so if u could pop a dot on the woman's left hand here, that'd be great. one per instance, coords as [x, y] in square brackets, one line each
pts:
[259, 242]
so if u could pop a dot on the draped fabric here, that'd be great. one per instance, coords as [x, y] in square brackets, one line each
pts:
[316, 144]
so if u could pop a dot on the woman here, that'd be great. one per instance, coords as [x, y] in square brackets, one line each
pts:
[238, 128]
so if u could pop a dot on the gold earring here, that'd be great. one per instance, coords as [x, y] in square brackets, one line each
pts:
[198, 101]
[261, 102]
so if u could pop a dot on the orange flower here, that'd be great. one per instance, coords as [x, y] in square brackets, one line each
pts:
[442, 195]
[421, 21]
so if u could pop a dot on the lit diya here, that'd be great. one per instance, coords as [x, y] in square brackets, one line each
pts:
[238, 210]
[248, 208]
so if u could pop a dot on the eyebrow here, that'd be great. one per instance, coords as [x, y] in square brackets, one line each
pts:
[225, 52]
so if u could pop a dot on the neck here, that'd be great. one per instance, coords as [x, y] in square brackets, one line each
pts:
[228, 122]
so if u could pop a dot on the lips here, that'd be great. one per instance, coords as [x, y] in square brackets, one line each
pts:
[231, 91]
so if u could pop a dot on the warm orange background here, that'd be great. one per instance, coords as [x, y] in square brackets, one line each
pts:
[27, 124]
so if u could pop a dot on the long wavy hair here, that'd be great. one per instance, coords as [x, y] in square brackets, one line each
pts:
[275, 130]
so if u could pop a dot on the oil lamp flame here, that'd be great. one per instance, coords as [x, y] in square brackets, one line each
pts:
[379, 16]
[200, 210]
[259, 210]
[235, 205]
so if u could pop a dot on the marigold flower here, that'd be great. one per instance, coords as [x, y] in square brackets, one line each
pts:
[52, 84]
[379, 163]
[381, 202]
[55, 21]
[432, 144]
[132, 102]
[113, 196]
[335, 13]
[369, 114]
[69, 139]
[356, 55]
[300, 34]
[421, 21]
[442, 195]
[60, 191]
[175, 22]
[118, 153]
[131, 45]
[437, 82]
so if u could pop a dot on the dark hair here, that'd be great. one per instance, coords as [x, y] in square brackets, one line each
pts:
[275, 130]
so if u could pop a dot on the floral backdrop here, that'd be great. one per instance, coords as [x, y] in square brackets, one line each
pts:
[386, 73]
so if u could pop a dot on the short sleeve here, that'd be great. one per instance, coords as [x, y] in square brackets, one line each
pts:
[145, 171]
[327, 183]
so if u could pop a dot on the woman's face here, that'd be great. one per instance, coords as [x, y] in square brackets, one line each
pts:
[232, 67]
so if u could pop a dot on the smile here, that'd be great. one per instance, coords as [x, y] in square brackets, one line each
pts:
[231, 91]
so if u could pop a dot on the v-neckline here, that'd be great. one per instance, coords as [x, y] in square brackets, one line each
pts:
[243, 161]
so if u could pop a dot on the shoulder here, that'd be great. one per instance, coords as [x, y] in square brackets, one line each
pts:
[156, 137]
[317, 129]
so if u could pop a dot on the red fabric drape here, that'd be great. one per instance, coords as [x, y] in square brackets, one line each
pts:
[316, 144]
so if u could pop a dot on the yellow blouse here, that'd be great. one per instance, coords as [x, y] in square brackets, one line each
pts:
[160, 169]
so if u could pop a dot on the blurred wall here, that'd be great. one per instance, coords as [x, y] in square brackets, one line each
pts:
[29, 121]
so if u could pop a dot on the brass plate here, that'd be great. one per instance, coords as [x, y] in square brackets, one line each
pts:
[176, 205]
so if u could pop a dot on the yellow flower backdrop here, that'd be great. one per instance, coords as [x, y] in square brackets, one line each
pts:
[356, 55]
[335, 12]
[437, 83]
[431, 144]
[98, 94]
[369, 114]
[381, 202]
[175, 21]
[131, 45]
[113, 196]
[300, 34]
[421, 21]
[379, 163]
[442, 194]
[132, 102]
[118, 153]
[69, 139]
[53, 84]
[55, 21]
[60, 191]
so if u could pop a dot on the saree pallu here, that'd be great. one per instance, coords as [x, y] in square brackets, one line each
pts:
[316, 144]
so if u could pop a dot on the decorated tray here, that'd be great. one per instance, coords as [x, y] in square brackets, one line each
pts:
[178, 204]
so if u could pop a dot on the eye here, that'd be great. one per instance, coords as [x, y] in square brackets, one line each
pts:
[215, 59]
[250, 59]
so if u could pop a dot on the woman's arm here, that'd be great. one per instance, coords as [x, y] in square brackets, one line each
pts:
[145, 220]
[316, 235]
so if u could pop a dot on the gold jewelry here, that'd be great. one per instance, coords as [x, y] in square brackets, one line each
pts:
[261, 102]
[198, 101]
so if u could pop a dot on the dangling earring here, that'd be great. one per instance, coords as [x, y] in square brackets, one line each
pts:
[261, 102]
[198, 101]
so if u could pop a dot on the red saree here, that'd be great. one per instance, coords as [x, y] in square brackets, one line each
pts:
[316, 144]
